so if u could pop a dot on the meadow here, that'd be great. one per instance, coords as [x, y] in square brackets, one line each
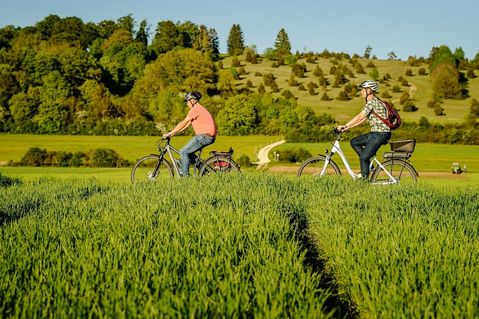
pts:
[14, 146]
[251, 245]
[433, 161]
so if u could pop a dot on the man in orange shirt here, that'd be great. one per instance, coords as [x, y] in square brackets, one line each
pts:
[204, 126]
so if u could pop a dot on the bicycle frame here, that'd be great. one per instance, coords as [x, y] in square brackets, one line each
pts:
[337, 149]
[171, 150]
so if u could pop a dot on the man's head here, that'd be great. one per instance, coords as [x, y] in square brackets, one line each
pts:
[194, 95]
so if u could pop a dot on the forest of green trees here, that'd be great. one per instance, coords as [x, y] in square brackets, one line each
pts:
[64, 76]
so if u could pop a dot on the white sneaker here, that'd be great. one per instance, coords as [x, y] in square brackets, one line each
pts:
[358, 176]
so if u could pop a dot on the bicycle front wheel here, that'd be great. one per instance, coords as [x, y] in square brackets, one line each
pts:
[219, 164]
[151, 169]
[402, 171]
[317, 166]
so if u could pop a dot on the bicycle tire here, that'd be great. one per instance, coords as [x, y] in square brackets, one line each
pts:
[219, 164]
[147, 169]
[314, 166]
[401, 170]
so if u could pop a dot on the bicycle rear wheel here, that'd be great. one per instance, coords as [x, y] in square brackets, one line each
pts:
[401, 170]
[219, 164]
[150, 169]
[315, 166]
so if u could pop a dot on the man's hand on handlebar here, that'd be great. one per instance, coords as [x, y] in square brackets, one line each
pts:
[341, 128]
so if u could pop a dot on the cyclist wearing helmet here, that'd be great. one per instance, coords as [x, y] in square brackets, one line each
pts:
[204, 126]
[367, 145]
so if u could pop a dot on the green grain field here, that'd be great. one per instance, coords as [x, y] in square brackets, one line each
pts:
[239, 246]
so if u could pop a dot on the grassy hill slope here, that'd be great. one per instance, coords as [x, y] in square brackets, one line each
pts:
[419, 88]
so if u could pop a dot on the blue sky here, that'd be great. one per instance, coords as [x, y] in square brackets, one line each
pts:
[407, 27]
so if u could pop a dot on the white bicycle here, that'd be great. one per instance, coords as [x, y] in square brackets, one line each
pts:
[394, 169]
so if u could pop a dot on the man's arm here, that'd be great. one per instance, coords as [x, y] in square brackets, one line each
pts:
[180, 127]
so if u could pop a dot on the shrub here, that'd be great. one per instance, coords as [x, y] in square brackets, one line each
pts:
[342, 96]
[235, 62]
[261, 89]
[78, 159]
[359, 69]
[235, 73]
[404, 98]
[318, 71]
[397, 89]
[325, 97]
[294, 155]
[422, 71]
[242, 71]
[103, 157]
[35, 156]
[299, 70]
[409, 107]
[474, 108]
[292, 80]
[244, 161]
[287, 94]
[439, 111]
[274, 87]
[268, 79]
[386, 95]
[310, 59]
[432, 104]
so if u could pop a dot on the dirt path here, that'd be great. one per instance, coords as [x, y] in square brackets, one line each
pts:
[263, 158]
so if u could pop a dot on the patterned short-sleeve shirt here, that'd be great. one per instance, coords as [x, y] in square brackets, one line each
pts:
[376, 124]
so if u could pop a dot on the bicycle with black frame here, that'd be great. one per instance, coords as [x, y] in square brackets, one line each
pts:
[165, 164]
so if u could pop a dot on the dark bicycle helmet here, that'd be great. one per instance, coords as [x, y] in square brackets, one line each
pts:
[193, 95]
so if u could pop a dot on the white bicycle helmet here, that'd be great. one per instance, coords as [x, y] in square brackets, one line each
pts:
[373, 85]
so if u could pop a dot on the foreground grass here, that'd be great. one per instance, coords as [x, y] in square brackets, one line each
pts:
[243, 246]
[400, 252]
[82, 248]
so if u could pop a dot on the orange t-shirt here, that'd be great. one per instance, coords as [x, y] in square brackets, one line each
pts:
[203, 122]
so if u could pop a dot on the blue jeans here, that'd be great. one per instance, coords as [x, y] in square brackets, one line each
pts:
[187, 152]
[366, 147]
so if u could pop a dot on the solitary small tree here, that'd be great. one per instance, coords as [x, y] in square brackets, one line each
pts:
[282, 44]
[445, 81]
[235, 41]
[392, 56]
[367, 52]
[475, 108]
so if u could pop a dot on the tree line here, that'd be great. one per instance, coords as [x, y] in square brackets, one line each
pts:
[64, 76]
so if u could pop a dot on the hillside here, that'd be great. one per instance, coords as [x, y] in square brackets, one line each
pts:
[419, 88]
